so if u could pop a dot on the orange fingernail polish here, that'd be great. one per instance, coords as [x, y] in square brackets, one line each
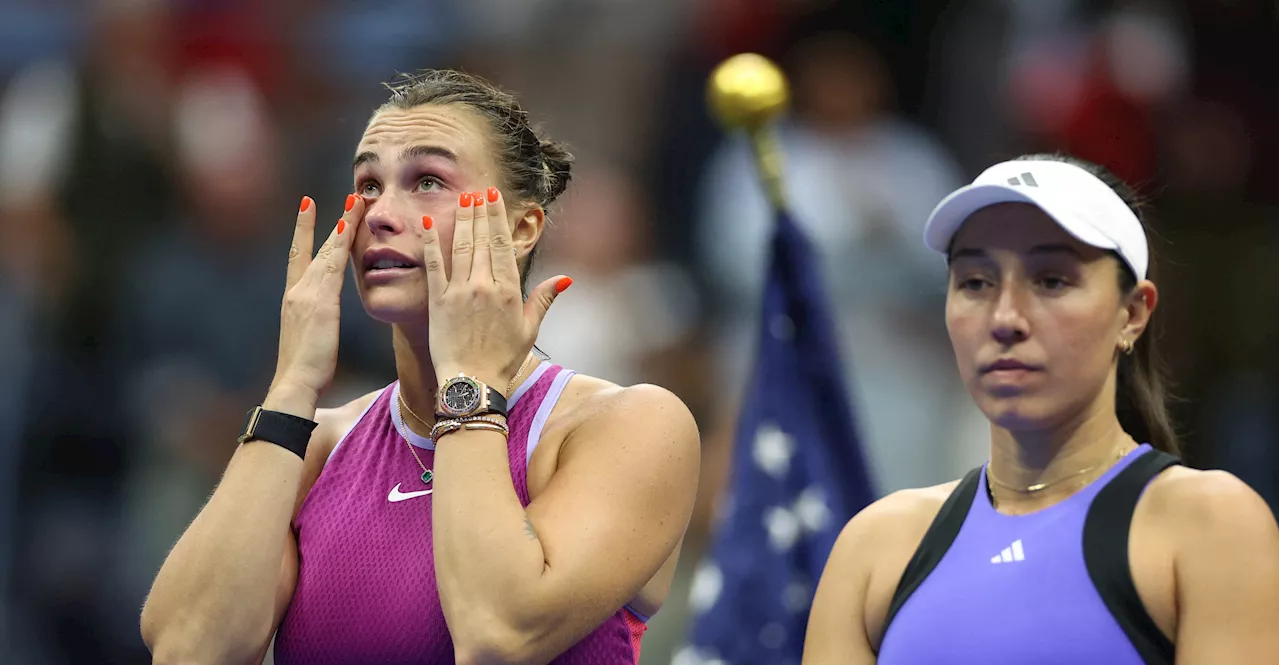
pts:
[427, 222]
[564, 283]
[464, 199]
[342, 224]
[478, 197]
[306, 204]
[351, 202]
[493, 195]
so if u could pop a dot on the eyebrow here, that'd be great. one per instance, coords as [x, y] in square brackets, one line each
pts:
[961, 253]
[409, 153]
[1038, 249]
[1056, 249]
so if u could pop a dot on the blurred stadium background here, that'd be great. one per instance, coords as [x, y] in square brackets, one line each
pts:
[151, 153]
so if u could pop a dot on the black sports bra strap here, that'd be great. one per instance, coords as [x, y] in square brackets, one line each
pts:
[1106, 554]
[937, 540]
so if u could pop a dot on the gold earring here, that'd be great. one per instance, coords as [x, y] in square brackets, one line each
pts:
[1126, 346]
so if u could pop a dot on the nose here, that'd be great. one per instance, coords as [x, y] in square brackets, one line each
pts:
[1008, 323]
[384, 215]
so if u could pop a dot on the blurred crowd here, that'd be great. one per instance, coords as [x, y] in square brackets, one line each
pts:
[151, 153]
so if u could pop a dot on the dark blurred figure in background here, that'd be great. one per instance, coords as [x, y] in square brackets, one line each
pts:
[196, 316]
[83, 155]
[1222, 232]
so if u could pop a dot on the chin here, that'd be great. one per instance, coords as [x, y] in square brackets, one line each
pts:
[394, 305]
[1021, 412]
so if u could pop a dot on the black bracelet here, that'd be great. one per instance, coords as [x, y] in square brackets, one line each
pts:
[287, 431]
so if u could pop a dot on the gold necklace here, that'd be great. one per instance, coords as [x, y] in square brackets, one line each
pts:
[1040, 486]
[405, 405]
[427, 475]
[512, 384]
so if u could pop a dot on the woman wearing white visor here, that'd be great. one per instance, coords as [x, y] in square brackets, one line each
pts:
[1081, 540]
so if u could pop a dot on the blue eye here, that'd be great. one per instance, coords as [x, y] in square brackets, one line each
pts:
[368, 188]
[429, 183]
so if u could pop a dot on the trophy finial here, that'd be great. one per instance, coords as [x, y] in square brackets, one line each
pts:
[747, 91]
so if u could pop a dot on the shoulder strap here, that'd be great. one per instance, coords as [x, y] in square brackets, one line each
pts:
[1106, 554]
[937, 540]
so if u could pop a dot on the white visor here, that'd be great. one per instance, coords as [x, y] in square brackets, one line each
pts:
[1080, 203]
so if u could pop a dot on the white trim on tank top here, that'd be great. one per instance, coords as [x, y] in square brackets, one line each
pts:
[544, 411]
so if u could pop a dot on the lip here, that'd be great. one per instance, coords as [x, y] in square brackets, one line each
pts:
[373, 255]
[386, 275]
[1009, 366]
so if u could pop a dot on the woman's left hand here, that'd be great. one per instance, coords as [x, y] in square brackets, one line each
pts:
[479, 325]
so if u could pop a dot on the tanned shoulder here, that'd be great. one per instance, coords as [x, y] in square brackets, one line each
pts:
[894, 522]
[1193, 503]
[593, 399]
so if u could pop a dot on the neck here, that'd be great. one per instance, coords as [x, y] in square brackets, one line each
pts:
[1023, 458]
[417, 376]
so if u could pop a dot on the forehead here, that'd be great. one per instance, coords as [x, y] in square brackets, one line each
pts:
[1015, 227]
[455, 128]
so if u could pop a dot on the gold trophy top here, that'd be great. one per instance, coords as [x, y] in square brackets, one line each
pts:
[747, 91]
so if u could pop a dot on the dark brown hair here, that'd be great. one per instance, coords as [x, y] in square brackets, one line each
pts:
[536, 170]
[1142, 391]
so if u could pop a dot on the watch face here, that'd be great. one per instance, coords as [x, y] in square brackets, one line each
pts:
[461, 396]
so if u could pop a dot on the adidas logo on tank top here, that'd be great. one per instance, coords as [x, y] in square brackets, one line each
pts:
[1010, 553]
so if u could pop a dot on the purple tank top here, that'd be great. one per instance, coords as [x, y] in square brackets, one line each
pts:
[1013, 589]
[366, 588]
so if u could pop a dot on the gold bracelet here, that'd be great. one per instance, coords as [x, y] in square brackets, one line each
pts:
[475, 426]
[443, 427]
[488, 420]
[487, 426]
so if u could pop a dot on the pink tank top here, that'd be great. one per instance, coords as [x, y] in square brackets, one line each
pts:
[366, 588]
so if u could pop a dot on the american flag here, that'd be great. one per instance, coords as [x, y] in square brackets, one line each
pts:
[798, 475]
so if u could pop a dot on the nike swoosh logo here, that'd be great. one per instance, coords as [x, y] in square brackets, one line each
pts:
[397, 495]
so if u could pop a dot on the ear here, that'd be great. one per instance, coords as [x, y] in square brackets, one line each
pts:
[526, 229]
[1138, 307]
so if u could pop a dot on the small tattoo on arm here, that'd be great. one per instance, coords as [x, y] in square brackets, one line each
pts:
[528, 529]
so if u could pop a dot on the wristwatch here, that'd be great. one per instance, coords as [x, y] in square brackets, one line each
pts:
[287, 431]
[464, 396]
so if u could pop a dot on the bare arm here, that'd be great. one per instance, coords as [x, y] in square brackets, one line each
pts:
[223, 588]
[1225, 572]
[847, 619]
[836, 631]
[522, 586]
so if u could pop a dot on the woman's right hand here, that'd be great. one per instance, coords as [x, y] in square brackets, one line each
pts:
[310, 312]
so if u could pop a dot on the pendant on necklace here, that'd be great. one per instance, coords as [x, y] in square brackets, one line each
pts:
[426, 477]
